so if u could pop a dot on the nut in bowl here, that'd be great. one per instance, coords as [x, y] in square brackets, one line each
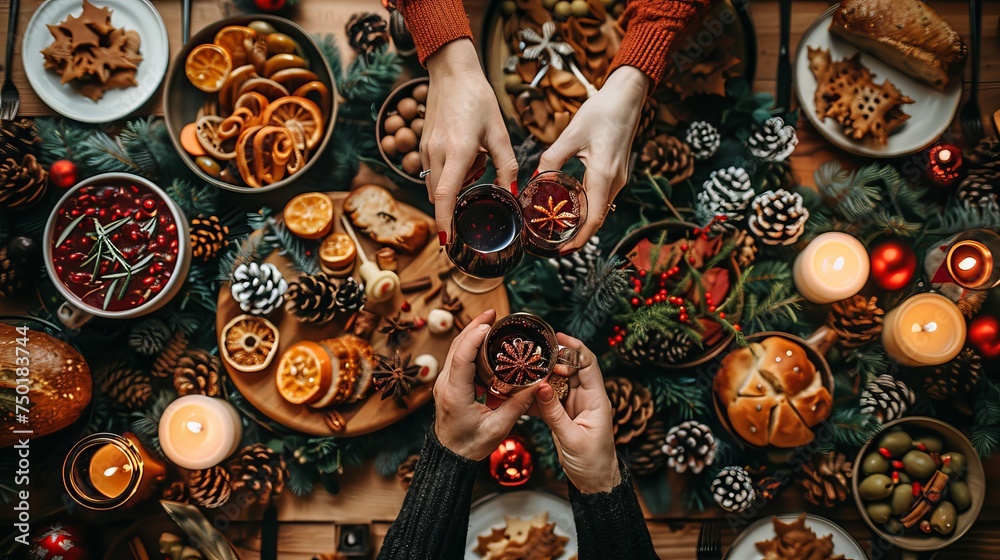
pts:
[250, 102]
[399, 127]
[116, 246]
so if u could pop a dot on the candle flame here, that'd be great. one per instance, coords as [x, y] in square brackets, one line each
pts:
[839, 263]
[110, 471]
[195, 427]
[930, 327]
[512, 472]
[944, 156]
[968, 263]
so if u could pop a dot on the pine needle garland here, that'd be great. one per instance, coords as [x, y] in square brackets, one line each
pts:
[194, 199]
[985, 434]
[770, 302]
[61, 139]
[848, 428]
[596, 298]
[370, 79]
[868, 362]
[146, 423]
[683, 398]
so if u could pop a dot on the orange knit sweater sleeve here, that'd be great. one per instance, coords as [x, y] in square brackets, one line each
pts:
[434, 23]
[651, 31]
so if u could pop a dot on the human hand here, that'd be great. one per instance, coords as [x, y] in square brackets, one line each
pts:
[601, 135]
[461, 119]
[462, 424]
[581, 429]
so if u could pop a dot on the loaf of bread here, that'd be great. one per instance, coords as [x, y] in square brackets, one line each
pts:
[374, 210]
[772, 394]
[905, 34]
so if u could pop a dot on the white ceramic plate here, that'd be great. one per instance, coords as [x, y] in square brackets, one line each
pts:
[744, 547]
[489, 513]
[930, 114]
[116, 103]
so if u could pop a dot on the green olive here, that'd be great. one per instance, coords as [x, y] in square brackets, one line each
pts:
[943, 518]
[279, 43]
[894, 527]
[879, 512]
[918, 464]
[902, 499]
[875, 487]
[905, 478]
[508, 8]
[261, 27]
[874, 463]
[960, 495]
[563, 9]
[208, 165]
[580, 8]
[956, 464]
[897, 442]
[932, 443]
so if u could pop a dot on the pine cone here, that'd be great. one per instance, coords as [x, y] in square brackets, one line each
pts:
[690, 445]
[959, 377]
[776, 175]
[208, 237]
[350, 297]
[733, 489]
[657, 348]
[406, 470]
[727, 192]
[668, 157]
[259, 470]
[149, 337]
[22, 184]
[164, 363]
[886, 398]
[210, 487]
[18, 138]
[704, 139]
[774, 141]
[826, 479]
[177, 491]
[258, 288]
[631, 405]
[574, 267]
[130, 387]
[645, 453]
[367, 32]
[746, 249]
[857, 320]
[646, 128]
[12, 277]
[196, 372]
[777, 218]
[312, 299]
[986, 154]
[980, 189]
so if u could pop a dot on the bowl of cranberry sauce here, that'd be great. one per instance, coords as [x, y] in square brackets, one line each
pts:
[116, 247]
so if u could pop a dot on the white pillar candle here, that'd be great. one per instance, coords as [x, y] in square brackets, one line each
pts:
[924, 330]
[834, 266]
[198, 432]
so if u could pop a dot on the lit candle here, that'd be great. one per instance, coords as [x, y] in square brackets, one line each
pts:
[110, 471]
[834, 266]
[944, 164]
[105, 471]
[970, 264]
[197, 432]
[924, 330]
[510, 462]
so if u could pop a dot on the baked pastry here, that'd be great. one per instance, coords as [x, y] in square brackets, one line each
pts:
[795, 541]
[374, 210]
[533, 538]
[352, 370]
[772, 393]
[905, 34]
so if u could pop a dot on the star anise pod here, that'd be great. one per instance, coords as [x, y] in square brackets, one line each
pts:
[395, 377]
[398, 330]
[552, 216]
[520, 362]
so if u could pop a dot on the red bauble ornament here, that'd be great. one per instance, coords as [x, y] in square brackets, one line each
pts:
[510, 462]
[59, 541]
[893, 264]
[269, 5]
[984, 336]
[63, 174]
[944, 164]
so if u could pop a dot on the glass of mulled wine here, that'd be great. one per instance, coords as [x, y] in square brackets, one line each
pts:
[521, 350]
[485, 238]
[554, 206]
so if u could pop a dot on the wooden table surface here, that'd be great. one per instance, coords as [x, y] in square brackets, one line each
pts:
[309, 524]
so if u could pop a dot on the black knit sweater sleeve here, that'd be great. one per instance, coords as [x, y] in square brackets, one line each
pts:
[610, 524]
[434, 520]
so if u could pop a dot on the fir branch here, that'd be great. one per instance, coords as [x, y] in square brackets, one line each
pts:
[61, 139]
[658, 318]
[370, 79]
[770, 302]
[103, 154]
[328, 46]
[146, 424]
[957, 218]
[868, 362]
[985, 434]
[300, 253]
[253, 248]
[546, 455]
[683, 398]
[388, 460]
[301, 478]
[596, 298]
[848, 429]
[194, 199]
[137, 140]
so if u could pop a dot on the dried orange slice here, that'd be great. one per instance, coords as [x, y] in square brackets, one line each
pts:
[239, 76]
[268, 88]
[294, 78]
[317, 92]
[249, 343]
[253, 101]
[304, 374]
[309, 215]
[237, 40]
[287, 110]
[208, 131]
[208, 67]
[275, 154]
[337, 252]
[189, 140]
[234, 124]
[283, 62]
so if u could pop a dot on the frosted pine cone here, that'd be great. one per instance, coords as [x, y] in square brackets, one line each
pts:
[704, 139]
[886, 398]
[690, 445]
[774, 141]
[733, 489]
[727, 192]
[258, 288]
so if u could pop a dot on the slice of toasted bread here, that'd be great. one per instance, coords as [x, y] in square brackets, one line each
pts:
[374, 210]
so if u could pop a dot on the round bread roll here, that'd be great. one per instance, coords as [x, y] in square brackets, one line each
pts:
[772, 393]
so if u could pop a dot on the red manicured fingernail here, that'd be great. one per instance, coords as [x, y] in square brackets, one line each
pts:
[535, 174]
[513, 187]
[443, 238]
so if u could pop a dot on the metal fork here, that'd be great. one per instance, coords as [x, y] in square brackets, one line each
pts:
[10, 99]
[971, 118]
[710, 542]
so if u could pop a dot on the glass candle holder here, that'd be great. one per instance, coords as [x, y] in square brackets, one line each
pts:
[105, 471]
[486, 237]
[971, 259]
[511, 463]
[554, 206]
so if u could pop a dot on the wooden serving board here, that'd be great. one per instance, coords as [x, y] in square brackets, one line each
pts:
[372, 413]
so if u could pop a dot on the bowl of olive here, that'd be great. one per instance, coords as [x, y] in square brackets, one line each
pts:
[919, 484]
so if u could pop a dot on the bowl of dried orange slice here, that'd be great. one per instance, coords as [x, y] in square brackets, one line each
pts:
[250, 101]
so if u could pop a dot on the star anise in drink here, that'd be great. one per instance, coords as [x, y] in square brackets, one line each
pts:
[520, 362]
[553, 216]
[395, 377]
